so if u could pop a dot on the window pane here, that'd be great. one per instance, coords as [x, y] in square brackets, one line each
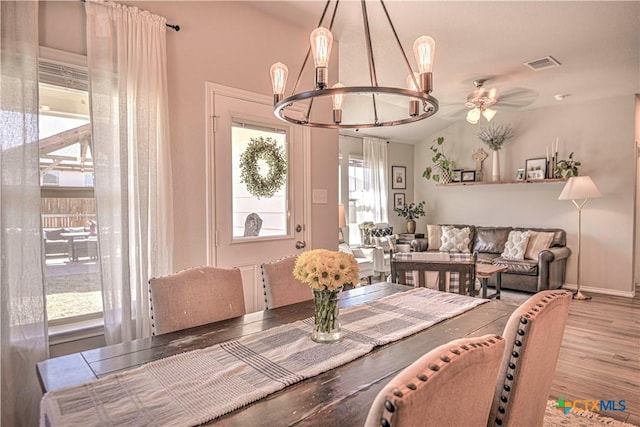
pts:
[70, 238]
[255, 216]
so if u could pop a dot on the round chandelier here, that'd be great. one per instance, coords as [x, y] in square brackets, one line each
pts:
[415, 96]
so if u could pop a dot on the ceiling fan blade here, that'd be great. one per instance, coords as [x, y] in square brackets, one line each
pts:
[516, 98]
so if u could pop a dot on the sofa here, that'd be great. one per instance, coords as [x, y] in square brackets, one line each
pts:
[543, 268]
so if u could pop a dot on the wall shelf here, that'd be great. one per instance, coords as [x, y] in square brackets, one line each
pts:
[526, 181]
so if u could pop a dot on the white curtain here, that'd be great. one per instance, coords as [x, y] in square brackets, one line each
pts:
[375, 164]
[22, 306]
[126, 57]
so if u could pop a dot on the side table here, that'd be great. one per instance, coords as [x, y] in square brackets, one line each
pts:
[484, 271]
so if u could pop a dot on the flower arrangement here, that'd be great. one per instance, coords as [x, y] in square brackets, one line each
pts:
[411, 211]
[328, 270]
[440, 162]
[495, 136]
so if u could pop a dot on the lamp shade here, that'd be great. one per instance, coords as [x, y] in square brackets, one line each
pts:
[579, 188]
[342, 220]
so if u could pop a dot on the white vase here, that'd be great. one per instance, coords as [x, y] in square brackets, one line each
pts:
[495, 173]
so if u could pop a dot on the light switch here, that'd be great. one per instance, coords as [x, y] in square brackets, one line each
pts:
[319, 197]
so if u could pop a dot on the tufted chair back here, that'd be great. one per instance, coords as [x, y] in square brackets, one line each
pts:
[452, 385]
[533, 336]
[194, 297]
[280, 287]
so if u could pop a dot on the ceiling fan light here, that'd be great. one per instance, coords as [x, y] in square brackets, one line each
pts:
[473, 116]
[489, 114]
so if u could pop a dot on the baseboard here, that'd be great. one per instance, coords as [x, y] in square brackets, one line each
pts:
[589, 289]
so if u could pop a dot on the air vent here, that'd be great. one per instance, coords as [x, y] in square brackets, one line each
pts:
[542, 63]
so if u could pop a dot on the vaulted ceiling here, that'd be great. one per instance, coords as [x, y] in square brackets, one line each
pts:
[597, 44]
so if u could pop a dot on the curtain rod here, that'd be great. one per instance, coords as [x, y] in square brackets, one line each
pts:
[360, 137]
[172, 26]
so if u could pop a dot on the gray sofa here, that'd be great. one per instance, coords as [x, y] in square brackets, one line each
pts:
[487, 243]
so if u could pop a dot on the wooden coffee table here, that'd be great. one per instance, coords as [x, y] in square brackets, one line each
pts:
[484, 271]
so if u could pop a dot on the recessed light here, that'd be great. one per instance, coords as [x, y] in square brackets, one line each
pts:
[561, 96]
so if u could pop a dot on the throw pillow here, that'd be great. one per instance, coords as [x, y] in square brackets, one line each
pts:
[382, 242]
[538, 241]
[455, 239]
[516, 245]
[434, 236]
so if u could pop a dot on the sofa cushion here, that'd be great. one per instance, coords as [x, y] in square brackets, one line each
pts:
[455, 239]
[434, 236]
[491, 239]
[559, 235]
[486, 258]
[516, 245]
[525, 266]
[538, 241]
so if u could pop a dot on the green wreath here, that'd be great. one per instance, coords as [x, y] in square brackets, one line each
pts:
[269, 151]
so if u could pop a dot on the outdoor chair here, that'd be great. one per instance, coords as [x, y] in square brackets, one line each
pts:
[452, 385]
[280, 287]
[194, 297]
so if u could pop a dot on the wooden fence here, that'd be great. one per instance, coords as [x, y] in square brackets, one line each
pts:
[67, 212]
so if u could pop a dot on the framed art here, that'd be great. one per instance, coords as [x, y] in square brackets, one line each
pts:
[455, 175]
[398, 177]
[520, 175]
[398, 200]
[468, 176]
[536, 168]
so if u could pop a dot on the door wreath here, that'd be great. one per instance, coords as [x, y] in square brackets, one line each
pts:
[266, 149]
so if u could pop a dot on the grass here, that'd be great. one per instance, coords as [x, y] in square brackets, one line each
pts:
[73, 295]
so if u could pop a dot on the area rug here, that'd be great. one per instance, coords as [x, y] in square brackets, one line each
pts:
[554, 416]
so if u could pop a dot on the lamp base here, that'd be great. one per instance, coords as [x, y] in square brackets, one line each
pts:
[580, 296]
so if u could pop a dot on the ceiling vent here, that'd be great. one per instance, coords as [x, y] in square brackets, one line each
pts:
[542, 63]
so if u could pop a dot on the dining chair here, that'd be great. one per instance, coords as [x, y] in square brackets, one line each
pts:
[452, 385]
[194, 297]
[280, 287]
[533, 336]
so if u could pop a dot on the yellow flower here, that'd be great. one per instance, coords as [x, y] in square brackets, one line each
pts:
[323, 269]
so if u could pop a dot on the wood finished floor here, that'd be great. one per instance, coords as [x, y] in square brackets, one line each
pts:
[600, 354]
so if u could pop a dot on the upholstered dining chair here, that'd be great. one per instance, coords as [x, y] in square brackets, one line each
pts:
[533, 336]
[194, 297]
[280, 287]
[451, 385]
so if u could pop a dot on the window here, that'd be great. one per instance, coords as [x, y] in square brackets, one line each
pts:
[70, 240]
[359, 211]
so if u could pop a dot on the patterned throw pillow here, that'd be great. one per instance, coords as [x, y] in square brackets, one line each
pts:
[538, 241]
[455, 239]
[382, 231]
[434, 236]
[516, 245]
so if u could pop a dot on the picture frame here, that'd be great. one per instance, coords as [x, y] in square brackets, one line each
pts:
[455, 175]
[536, 168]
[467, 176]
[398, 177]
[520, 175]
[398, 200]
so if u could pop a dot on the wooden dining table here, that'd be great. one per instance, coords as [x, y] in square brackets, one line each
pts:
[340, 396]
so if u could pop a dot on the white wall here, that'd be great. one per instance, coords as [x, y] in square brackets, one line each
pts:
[228, 43]
[602, 138]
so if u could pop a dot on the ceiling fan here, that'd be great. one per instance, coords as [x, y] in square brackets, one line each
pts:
[480, 102]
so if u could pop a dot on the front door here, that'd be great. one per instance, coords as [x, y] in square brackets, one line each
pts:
[257, 186]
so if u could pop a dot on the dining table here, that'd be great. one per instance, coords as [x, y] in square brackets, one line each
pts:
[339, 396]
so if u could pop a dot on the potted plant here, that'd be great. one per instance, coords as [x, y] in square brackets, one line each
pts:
[411, 212]
[442, 166]
[567, 168]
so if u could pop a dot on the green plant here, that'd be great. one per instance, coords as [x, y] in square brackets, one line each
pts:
[567, 168]
[411, 211]
[440, 162]
[495, 136]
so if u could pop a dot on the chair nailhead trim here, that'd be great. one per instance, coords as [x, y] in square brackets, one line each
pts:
[397, 393]
[523, 321]
[385, 423]
[464, 347]
[389, 405]
[412, 386]
[498, 421]
[501, 410]
[445, 358]
[434, 367]
[518, 343]
[422, 377]
[521, 332]
[504, 399]
[512, 365]
[507, 388]
[455, 351]
[515, 354]
[510, 377]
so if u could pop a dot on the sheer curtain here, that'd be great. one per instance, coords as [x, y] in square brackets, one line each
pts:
[126, 57]
[375, 165]
[22, 305]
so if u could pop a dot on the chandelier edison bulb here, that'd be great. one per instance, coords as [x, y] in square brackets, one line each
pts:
[419, 85]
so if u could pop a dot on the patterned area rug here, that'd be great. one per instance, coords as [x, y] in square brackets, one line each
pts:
[578, 418]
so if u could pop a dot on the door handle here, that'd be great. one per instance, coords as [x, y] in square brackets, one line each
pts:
[300, 244]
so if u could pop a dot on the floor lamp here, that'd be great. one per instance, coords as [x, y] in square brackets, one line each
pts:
[579, 189]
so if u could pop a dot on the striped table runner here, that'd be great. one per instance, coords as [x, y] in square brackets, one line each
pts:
[198, 386]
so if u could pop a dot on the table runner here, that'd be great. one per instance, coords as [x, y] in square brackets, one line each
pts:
[200, 385]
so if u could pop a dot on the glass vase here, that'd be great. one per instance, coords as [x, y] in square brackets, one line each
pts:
[326, 326]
